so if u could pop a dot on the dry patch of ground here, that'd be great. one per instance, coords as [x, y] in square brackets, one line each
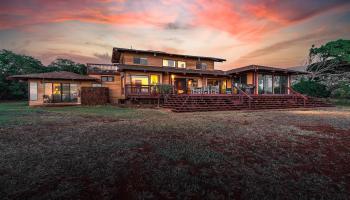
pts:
[120, 153]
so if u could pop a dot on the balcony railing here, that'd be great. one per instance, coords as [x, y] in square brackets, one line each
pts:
[147, 90]
[101, 68]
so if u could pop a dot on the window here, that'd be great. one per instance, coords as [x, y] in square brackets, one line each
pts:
[74, 92]
[213, 82]
[33, 91]
[61, 92]
[168, 63]
[96, 85]
[139, 80]
[265, 84]
[65, 92]
[192, 83]
[56, 91]
[140, 61]
[280, 84]
[48, 89]
[201, 65]
[107, 78]
[181, 64]
[154, 79]
[244, 79]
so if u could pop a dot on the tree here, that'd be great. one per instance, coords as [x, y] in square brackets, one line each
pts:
[61, 64]
[14, 64]
[330, 63]
[311, 88]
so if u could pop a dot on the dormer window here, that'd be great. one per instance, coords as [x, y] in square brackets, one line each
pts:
[140, 61]
[169, 63]
[201, 66]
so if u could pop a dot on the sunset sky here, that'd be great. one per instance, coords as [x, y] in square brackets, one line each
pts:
[265, 32]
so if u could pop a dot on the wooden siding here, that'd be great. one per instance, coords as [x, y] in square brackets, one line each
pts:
[115, 87]
[250, 78]
[128, 58]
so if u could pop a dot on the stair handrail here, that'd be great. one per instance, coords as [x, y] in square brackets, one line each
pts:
[298, 94]
[245, 94]
[183, 103]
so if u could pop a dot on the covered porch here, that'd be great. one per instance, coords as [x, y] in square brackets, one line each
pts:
[144, 82]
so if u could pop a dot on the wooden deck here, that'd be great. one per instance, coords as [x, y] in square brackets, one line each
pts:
[58, 104]
[194, 103]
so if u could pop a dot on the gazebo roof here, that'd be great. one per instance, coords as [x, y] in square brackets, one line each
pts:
[62, 75]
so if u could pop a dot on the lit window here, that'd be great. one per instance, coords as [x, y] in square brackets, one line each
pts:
[107, 78]
[154, 79]
[181, 64]
[33, 91]
[140, 61]
[168, 63]
[139, 80]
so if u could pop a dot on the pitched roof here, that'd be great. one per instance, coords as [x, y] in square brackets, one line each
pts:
[62, 75]
[117, 51]
[263, 68]
[122, 67]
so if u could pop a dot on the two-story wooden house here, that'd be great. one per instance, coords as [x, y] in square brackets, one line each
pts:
[133, 73]
[138, 74]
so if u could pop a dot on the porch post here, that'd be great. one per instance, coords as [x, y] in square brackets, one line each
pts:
[256, 90]
[288, 91]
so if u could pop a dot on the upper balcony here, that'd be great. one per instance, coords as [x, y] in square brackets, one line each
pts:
[94, 68]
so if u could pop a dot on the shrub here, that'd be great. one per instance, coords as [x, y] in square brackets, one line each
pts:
[343, 92]
[165, 89]
[311, 88]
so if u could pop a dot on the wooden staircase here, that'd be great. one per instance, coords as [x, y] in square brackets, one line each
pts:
[196, 103]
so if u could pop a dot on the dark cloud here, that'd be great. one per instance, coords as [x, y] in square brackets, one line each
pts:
[176, 26]
[103, 57]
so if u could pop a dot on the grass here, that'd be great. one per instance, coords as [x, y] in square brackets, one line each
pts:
[108, 152]
[341, 102]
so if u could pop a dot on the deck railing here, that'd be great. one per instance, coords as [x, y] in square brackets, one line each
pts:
[297, 94]
[140, 90]
[148, 90]
[240, 91]
[98, 68]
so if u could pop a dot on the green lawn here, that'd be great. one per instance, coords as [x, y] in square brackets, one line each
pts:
[107, 152]
[341, 102]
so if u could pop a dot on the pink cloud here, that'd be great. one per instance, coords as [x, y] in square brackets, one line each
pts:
[16, 15]
[287, 12]
[248, 19]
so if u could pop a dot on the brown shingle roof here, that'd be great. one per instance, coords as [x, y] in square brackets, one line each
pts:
[117, 51]
[263, 68]
[122, 67]
[62, 75]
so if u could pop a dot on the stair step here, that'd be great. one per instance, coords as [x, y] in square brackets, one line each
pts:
[212, 103]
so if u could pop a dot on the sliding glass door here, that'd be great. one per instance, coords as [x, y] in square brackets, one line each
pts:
[280, 84]
[265, 84]
[65, 92]
[56, 92]
[61, 92]
[269, 84]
